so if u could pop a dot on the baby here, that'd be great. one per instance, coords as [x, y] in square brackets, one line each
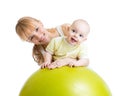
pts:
[69, 49]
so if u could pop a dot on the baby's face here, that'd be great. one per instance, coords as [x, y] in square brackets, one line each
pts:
[77, 34]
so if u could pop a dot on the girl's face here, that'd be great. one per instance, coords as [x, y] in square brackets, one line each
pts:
[39, 35]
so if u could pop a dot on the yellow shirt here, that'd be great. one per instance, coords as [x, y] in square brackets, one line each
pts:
[60, 48]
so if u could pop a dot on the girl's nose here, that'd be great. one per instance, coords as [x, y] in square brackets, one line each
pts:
[37, 35]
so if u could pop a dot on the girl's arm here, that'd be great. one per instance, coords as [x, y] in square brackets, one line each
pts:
[47, 59]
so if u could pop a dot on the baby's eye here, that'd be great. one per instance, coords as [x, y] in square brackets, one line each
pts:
[81, 35]
[37, 29]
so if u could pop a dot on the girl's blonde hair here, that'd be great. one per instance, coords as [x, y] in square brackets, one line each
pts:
[37, 55]
[24, 28]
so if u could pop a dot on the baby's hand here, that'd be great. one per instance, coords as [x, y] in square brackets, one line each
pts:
[52, 66]
[72, 63]
[45, 64]
[57, 63]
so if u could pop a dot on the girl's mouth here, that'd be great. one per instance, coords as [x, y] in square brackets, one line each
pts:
[43, 39]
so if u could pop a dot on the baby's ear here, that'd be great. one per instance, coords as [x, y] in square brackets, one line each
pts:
[85, 39]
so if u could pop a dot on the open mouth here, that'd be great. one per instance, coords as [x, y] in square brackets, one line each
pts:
[73, 40]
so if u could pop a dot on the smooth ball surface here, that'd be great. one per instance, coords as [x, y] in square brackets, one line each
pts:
[65, 81]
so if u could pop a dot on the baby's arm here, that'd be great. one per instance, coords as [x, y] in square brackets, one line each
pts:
[70, 62]
[47, 59]
[79, 62]
[82, 58]
[59, 63]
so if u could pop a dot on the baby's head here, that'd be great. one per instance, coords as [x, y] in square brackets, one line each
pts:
[78, 32]
[26, 26]
[81, 26]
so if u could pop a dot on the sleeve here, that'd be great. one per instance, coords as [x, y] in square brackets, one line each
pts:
[51, 46]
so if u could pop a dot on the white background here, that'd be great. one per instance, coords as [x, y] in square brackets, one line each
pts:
[16, 62]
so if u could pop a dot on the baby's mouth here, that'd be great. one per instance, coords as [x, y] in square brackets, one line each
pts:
[73, 40]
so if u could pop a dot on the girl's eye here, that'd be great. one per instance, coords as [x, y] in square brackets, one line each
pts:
[43, 34]
[37, 29]
[81, 35]
[30, 38]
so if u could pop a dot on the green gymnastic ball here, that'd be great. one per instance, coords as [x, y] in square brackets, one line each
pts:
[65, 81]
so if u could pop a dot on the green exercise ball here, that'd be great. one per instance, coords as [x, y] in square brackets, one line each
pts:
[65, 81]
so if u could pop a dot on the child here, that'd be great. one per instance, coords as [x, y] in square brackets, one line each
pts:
[69, 49]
